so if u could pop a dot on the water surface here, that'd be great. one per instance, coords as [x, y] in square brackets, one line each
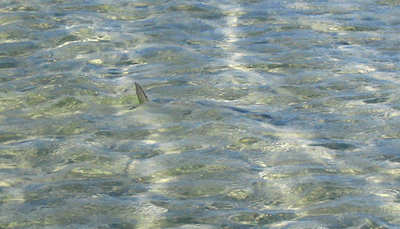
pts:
[264, 114]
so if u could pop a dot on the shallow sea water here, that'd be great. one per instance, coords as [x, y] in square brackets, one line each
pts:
[264, 114]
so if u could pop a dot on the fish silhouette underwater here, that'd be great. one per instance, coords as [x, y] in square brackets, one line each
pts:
[258, 116]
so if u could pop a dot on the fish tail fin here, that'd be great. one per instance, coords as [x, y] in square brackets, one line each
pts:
[140, 94]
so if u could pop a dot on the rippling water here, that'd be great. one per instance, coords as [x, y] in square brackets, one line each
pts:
[264, 114]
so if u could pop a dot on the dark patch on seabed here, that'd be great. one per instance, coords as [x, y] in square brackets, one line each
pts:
[8, 63]
[376, 100]
[336, 145]
[258, 116]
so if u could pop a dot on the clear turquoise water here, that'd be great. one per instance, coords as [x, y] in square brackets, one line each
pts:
[264, 114]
